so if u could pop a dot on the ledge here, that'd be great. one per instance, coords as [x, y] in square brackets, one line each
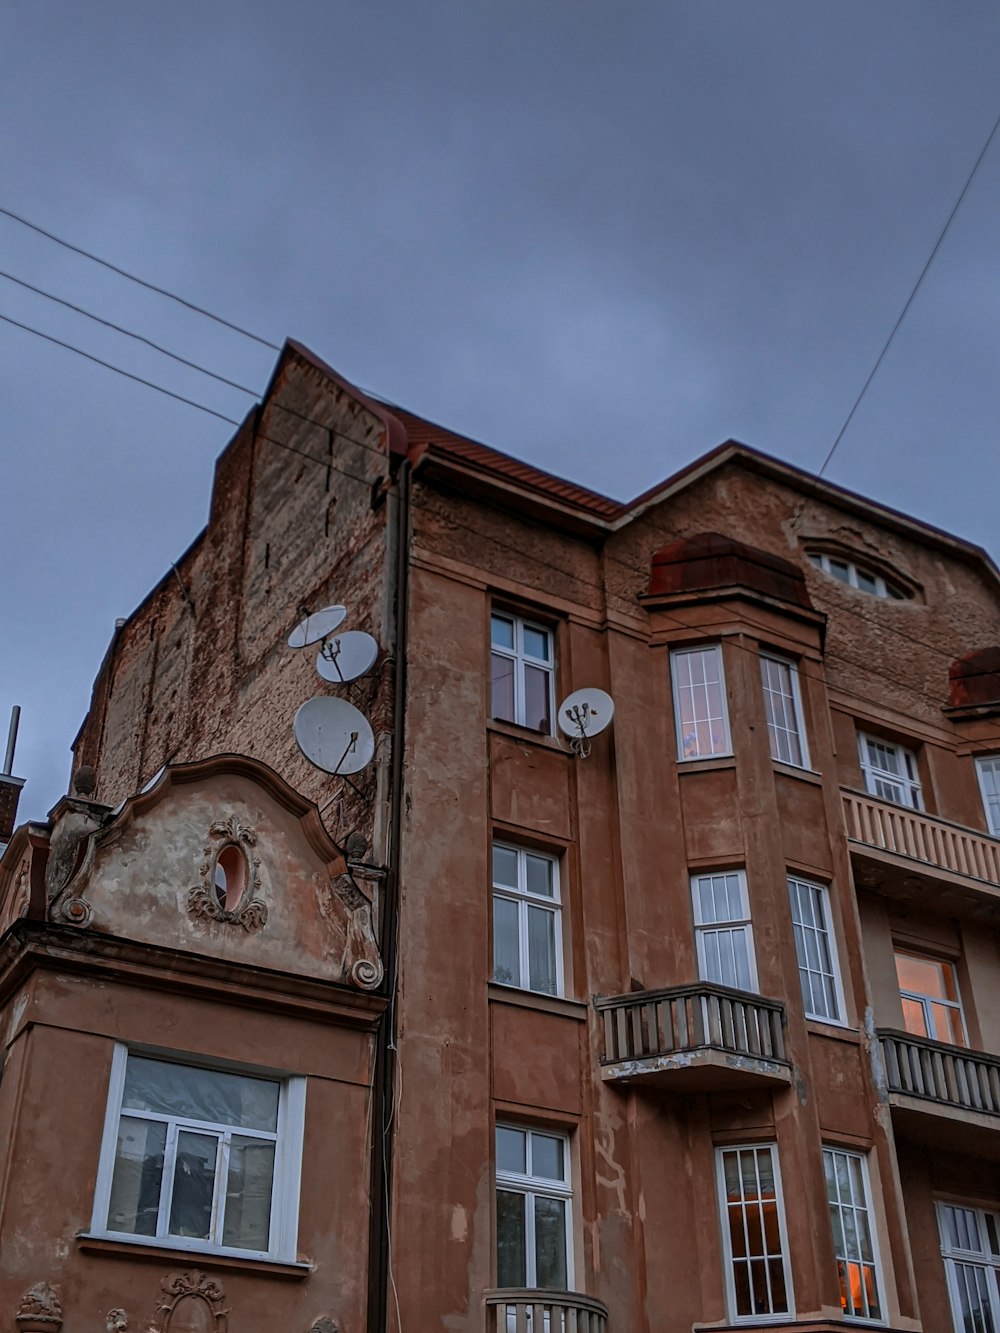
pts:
[147, 1249]
[527, 999]
[528, 736]
[706, 765]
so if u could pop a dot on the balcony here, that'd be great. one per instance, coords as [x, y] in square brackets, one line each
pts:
[944, 1096]
[699, 1038]
[510, 1311]
[899, 851]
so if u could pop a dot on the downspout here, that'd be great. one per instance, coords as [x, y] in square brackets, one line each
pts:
[384, 1081]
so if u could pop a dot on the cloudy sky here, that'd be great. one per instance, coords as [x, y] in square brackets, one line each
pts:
[602, 235]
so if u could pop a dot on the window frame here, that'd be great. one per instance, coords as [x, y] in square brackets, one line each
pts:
[524, 899]
[927, 1001]
[675, 689]
[829, 930]
[985, 1258]
[869, 1210]
[521, 659]
[871, 772]
[729, 1260]
[531, 1186]
[884, 589]
[286, 1180]
[798, 713]
[744, 923]
[991, 800]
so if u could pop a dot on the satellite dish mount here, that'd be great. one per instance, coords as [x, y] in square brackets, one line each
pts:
[584, 714]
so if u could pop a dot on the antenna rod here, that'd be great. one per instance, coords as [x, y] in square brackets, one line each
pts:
[15, 718]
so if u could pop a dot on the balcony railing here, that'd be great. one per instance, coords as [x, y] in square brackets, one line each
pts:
[921, 837]
[544, 1312]
[663, 1023]
[947, 1075]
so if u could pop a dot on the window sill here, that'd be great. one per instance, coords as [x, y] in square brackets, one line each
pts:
[529, 999]
[803, 774]
[835, 1031]
[706, 765]
[146, 1248]
[526, 734]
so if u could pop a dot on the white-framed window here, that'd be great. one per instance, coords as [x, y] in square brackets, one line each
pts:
[200, 1158]
[854, 1244]
[786, 730]
[816, 950]
[527, 920]
[889, 771]
[700, 712]
[857, 576]
[970, 1247]
[988, 771]
[722, 929]
[755, 1243]
[534, 1209]
[523, 659]
[932, 1006]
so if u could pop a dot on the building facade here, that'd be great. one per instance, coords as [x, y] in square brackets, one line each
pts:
[694, 1025]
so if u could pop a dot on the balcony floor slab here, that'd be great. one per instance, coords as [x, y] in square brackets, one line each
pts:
[703, 1069]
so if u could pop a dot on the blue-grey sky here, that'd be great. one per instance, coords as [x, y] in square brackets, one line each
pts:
[602, 235]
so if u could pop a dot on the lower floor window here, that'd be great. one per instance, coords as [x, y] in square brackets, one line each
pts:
[970, 1245]
[533, 1209]
[756, 1249]
[202, 1158]
[853, 1243]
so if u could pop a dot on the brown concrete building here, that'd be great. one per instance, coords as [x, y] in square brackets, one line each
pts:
[699, 1030]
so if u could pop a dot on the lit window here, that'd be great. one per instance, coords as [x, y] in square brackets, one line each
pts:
[783, 711]
[522, 672]
[853, 1241]
[700, 702]
[889, 771]
[815, 949]
[200, 1159]
[856, 576]
[527, 949]
[757, 1276]
[988, 768]
[722, 930]
[970, 1246]
[931, 1004]
[533, 1209]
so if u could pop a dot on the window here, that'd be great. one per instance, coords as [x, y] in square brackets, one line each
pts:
[527, 948]
[722, 930]
[757, 1276]
[200, 1159]
[889, 771]
[931, 1004]
[815, 949]
[700, 702]
[988, 768]
[533, 1206]
[522, 672]
[853, 1242]
[856, 576]
[970, 1246]
[783, 711]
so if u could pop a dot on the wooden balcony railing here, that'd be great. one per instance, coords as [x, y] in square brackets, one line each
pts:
[687, 1018]
[948, 1075]
[544, 1312]
[921, 837]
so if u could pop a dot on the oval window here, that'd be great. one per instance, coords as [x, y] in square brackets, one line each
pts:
[230, 877]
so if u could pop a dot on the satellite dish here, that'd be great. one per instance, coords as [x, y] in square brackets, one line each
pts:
[585, 712]
[334, 735]
[317, 625]
[346, 656]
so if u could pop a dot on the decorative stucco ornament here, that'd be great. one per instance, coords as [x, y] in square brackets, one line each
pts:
[362, 963]
[116, 1320]
[193, 1303]
[324, 1324]
[40, 1310]
[248, 910]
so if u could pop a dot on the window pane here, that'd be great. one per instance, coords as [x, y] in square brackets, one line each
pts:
[536, 643]
[947, 1024]
[505, 866]
[506, 942]
[989, 782]
[547, 1157]
[542, 950]
[780, 712]
[700, 703]
[502, 632]
[502, 705]
[201, 1094]
[135, 1186]
[511, 1150]
[511, 1249]
[536, 699]
[913, 1018]
[194, 1185]
[248, 1193]
[840, 571]
[538, 870]
[924, 975]
[550, 1242]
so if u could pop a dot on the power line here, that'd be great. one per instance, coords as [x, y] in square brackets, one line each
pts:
[910, 298]
[132, 277]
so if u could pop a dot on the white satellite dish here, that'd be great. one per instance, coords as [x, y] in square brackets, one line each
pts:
[317, 625]
[346, 656]
[583, 714]
[334, 735]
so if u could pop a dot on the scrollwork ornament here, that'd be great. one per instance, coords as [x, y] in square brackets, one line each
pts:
[116, 1320]
[192, 1285]
[250, 913]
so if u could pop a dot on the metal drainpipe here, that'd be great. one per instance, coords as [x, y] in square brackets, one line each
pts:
[384, 1083]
